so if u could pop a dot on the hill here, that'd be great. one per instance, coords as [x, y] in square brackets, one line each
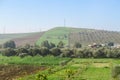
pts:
[66, 34]
[29, 39]
[84, 36]
[21, 38]
[55, 35]
[96, 36]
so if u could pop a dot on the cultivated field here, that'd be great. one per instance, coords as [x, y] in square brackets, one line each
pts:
[55, 68]
[30, 39]
[98, 36]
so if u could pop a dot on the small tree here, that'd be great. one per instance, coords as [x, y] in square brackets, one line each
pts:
[34, 51]
[111, 44]
[60, 44]
[22, 50]
[116, 72]
[45, 44]
[27, 46]
[44, 51]
[52, 45]
[9, 44]
[77, 45]
[55, 51]
[9, 52]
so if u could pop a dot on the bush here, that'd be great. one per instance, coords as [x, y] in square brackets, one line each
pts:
[99, 53]
[116, 71]
[34, 51]
[44, 51]
[9, 52]
[66, 53]
[55, 51]
[77, 45]
[79, 53]
[9, 44]
[60, 44]
[22, 50]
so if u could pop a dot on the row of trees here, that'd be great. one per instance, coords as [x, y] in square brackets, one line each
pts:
[64, 52]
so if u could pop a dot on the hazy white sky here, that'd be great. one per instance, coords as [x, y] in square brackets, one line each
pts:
[35, 15]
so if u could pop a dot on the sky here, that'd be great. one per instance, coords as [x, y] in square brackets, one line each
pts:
[20, 16]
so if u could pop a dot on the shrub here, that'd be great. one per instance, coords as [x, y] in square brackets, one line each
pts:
[34, 51]
[60, 44]
[55, 51]
[77, 45]
[116, 71]
[66, 53]
[9, 44]
[22, 50]
[9, 52]
[44, 51]
[41, 77]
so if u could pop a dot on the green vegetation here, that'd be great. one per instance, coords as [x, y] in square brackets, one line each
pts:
[78, 69]
[36, 60]
[55, 35]
[61, 56]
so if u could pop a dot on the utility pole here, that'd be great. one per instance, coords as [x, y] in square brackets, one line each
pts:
[4, 29]
[64, 22]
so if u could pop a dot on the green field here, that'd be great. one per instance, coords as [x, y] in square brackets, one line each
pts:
[81, 69]
[73, 69]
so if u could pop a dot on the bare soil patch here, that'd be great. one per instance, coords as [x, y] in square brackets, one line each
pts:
[11, 72]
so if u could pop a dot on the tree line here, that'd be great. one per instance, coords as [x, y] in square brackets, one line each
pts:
[48, 48]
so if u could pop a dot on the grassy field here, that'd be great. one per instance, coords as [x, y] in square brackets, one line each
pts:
[54, 69]
[79, 69]
[16, 67]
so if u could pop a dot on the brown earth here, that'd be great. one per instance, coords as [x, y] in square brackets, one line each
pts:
[31, 39]
[12, 72]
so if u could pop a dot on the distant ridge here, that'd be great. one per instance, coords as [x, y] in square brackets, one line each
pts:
[68, 35]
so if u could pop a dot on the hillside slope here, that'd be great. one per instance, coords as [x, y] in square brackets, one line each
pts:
[21, 38]
[84, 36]
[30, 39]
[55, 35]
[6, 37]
[97, 36]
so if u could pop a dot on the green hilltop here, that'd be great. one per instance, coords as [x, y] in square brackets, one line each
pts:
[55, 35]
[58, 34]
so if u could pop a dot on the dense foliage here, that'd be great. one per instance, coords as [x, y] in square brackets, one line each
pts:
[9, 44]
[65, 52]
